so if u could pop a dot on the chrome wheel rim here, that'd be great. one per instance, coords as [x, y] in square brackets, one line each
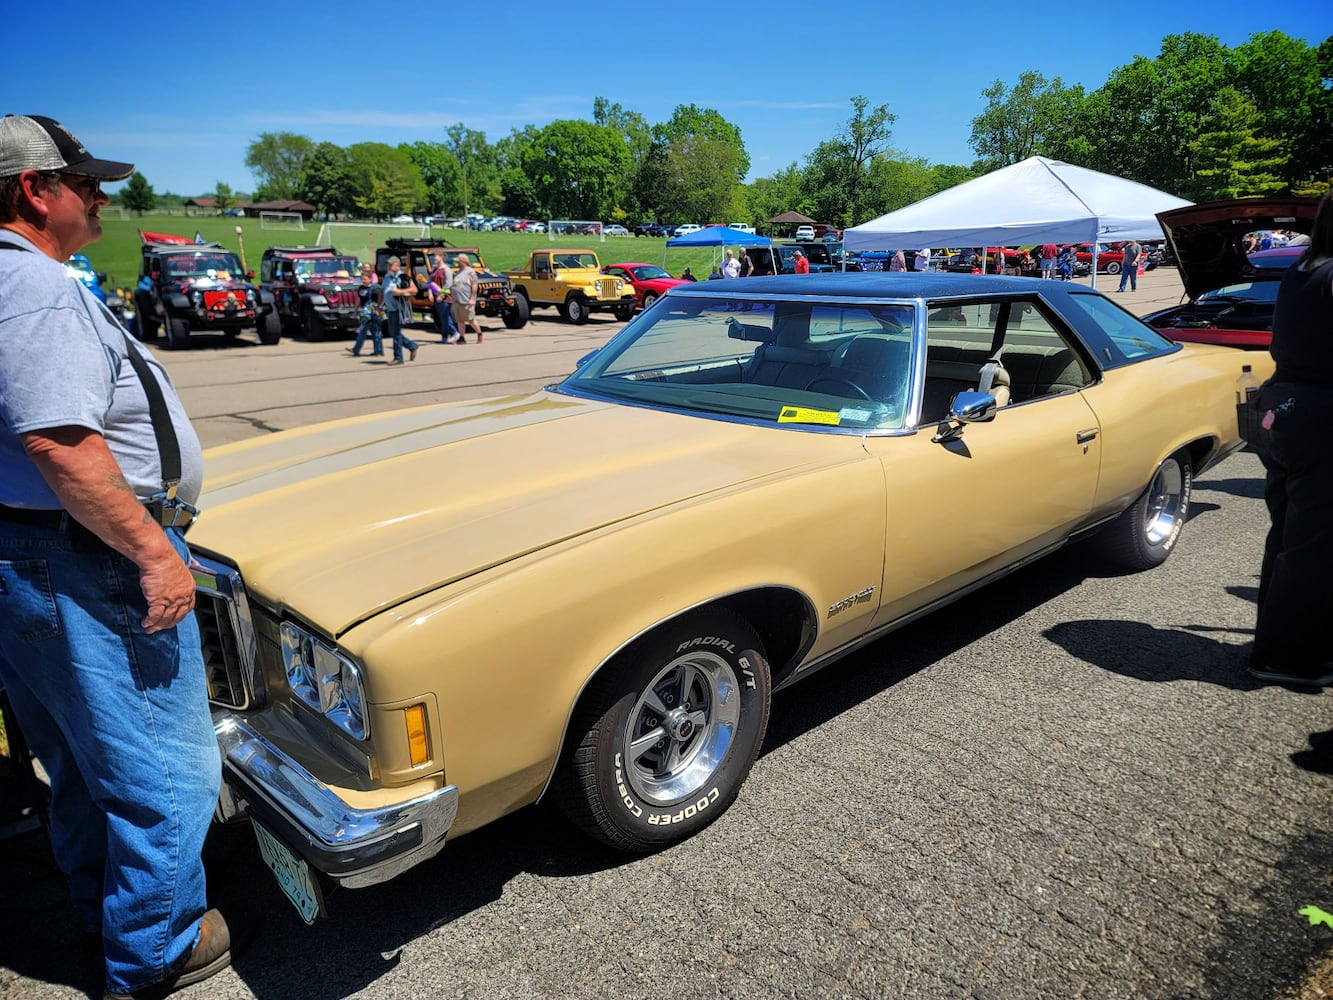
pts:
[1166, 505]
[681, 728]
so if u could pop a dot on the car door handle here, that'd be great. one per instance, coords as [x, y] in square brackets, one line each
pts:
[1084, 436]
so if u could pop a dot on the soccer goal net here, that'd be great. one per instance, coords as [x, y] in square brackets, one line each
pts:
[360, 239]
[291, 221]
[586, 228]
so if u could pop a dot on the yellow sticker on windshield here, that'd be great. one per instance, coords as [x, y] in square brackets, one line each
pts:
[801, 415]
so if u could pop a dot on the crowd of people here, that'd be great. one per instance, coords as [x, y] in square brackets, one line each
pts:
[387, 304]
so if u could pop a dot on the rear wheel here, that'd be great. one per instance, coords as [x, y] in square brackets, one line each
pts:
[1144, 535]
[517, 317]
[1113, 267]
[667, 733]
[178, 333]
[576, 310]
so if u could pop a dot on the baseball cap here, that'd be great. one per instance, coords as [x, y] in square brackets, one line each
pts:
[35, 142]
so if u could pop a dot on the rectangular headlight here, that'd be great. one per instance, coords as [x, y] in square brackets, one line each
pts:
[324, 679]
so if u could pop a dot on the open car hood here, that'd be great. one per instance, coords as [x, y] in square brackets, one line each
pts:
[1206, 238]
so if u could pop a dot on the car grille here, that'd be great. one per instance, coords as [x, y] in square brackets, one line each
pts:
[489, 288]
[606, 288]
[226, 633]
[346, 298]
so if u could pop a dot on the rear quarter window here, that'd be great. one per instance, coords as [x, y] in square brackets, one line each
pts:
[1116, 337]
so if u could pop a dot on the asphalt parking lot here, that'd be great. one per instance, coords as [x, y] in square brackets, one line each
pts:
[1064, 786]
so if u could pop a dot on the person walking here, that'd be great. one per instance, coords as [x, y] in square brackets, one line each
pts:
[801, 265]
[465, 298]
[1129, 266]
[1293, 639]
[898, 262]
[99, 650]
[397, 295]
[370, 310]
[441, 285]
[1049, 251]
[731, 267]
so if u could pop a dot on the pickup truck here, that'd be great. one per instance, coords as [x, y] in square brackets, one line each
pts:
[573, 282]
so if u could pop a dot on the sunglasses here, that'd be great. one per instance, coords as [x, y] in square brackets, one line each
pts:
[88, 188]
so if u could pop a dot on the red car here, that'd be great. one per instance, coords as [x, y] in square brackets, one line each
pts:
[649, 281]
[1110, 256]
[1231, 293]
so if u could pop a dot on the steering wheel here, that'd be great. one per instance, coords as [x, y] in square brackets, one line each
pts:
[840, 381]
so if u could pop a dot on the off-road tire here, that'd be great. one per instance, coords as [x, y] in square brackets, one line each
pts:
[270, 327]
[702, 685]
[576, 309]
[624, 313]
[312, 326]
[178, 333]
[517, 317]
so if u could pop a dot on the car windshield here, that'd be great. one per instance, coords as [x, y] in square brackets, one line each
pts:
[204, 265]
[333, 267]
[648, 272]
[571, 260]
[1245, 291]
[800, 364]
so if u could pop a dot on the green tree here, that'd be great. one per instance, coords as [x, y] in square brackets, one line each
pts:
[390, 182]
[771, 196]
[137, 194]
[1231, 161]
[479, 182]
[837, 171]
[1019, 121]
[441, 172]
[277, 160]
[574, 167]
[1291, 85]
[638, 137]
[327, 182]
[895, 180]
[222, 197]
[690, 120]
[701, 179]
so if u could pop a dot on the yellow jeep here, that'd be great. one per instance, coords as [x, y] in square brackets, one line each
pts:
[573, 282]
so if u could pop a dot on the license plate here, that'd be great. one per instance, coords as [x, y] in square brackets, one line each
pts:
[293, 873]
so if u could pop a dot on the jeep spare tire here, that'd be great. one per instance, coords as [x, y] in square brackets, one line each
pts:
[666, 734]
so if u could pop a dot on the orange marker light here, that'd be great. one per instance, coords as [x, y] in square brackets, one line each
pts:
[418, 748]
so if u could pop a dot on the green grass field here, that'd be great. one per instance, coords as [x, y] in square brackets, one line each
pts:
[117, 252]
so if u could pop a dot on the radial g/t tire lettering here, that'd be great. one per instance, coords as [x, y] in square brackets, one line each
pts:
[664, 737]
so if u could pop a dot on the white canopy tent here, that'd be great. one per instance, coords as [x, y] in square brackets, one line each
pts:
[1034, 201]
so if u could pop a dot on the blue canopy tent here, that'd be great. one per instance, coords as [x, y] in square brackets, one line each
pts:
[716, 236]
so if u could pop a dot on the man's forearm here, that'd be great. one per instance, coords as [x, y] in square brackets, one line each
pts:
[80, 469]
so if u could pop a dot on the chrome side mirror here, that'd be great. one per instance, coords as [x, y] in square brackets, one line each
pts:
[965, 408]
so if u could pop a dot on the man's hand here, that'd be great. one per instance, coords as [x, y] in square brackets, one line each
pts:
[168, 587]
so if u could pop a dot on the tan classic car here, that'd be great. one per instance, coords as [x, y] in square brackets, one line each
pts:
[420, 621]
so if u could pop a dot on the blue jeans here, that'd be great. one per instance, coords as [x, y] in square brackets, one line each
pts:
[372, 327]
[1129, 273]
[444, 321]
[120, 721]
[400, 339]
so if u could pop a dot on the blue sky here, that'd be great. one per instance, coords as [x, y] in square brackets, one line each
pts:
[182, 91]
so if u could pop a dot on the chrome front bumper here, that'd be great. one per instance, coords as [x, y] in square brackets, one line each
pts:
[354, 847]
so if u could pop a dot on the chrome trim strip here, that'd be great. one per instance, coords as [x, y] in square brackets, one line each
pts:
[330, 824]
[806, 669]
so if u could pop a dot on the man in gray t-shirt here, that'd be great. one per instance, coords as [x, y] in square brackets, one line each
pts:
[99, 651]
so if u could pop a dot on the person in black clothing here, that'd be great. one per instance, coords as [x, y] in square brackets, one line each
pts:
[1293, 641]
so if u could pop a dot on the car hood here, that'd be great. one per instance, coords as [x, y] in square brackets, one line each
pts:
[344, 520]
[1205, 238]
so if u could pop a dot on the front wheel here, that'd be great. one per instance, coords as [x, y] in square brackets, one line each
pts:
[648, 299]
[576, 310]
[1144, 535]
[624, 313]
[178, 333]
[312, 325]
[667, 733]
[270, 327]
[517, 317]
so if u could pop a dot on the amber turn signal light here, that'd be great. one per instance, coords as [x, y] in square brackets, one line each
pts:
[417, 745]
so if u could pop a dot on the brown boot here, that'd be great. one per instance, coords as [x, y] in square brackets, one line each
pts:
[210, 955]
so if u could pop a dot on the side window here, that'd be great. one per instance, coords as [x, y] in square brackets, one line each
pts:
[266, 269]
[1125, 335]
[1037, 357]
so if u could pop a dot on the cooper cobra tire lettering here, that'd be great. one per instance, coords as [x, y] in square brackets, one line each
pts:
[666, 819]
[624, 792]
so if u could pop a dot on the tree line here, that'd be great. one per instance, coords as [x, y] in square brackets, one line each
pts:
[1199, 119]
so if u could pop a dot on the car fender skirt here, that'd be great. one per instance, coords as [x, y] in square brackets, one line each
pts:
[354, 846]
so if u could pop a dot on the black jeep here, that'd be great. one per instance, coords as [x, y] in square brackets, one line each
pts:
[314, 289]
[189, 287]
[495, 297]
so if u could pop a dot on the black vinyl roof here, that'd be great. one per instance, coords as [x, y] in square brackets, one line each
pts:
[879, 285]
